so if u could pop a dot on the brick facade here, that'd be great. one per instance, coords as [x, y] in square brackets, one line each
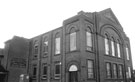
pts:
[73, 63]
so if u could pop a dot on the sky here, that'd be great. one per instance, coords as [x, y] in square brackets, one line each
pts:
[29, 18]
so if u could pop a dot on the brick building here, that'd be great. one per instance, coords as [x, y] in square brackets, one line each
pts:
[88, 47]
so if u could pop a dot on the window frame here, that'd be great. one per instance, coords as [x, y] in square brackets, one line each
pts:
[36, 49]
[106, 46]
[34, 72]
[118, 49]
[57, 45]
[45, 47]
[113, 51]
[127, 53]
[129, 72]
[93, 72]
[115, 71]
[89, 45]
[73, 41]
[110, 70]
[44, 76]
[120, 76]
[57, 76]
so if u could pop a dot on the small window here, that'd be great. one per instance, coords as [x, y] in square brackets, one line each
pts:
[106, 44]
[44, 72]
[108, 70]
[127, 52]
[113, 45]
[57, 45]
[120, 70]
[73, 41]
[90, 69]
[34, 71]
[57, 70]
[115, 71]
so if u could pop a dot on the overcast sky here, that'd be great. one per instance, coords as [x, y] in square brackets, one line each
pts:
[29, 18]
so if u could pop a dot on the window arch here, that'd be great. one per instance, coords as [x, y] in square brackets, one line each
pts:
[106, 41]
[72, 39]
[57, 43]
[89, 38]
[113, 46]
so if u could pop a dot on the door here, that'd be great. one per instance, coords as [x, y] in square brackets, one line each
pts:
[73, 77]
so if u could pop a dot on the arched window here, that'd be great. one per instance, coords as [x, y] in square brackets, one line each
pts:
[127, 52]
[36, 47]
[45, 46]
[57, 43]
[106, 40]
[72, 39]
[89, 39]
[113, 46]
[118, 49]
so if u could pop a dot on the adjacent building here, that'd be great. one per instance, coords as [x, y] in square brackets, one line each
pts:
[89, 47]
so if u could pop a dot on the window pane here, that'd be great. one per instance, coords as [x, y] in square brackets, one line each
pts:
[127, 52]
[120, 71]
[73, 41]
[57, 69]
[34, 71]
[45, 46]
[118, 50]
[57, 46]
[106, 46]
[44, 70]
[108, 70]
[129, 72]
[115, 70]
[113, 50]
[90, 64]
[36, 49]
[90, 75]
[89, 39]
[90, 69]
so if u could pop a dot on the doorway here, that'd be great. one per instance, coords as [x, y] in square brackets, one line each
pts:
[73, 73]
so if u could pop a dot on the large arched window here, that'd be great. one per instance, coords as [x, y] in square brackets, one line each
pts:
[106, 40]
[89, 39]
[57, 43]
[72, 39]
[113, 46]
[118, 49]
